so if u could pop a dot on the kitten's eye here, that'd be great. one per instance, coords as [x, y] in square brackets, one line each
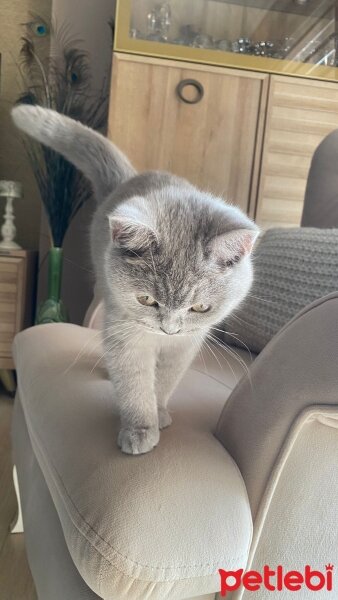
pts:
[147, 300]
[233, 261]
[201, 308]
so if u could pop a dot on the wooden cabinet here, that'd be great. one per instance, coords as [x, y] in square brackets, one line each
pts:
[215, 143]
[17, 282]
[250, 138]
[300, 114]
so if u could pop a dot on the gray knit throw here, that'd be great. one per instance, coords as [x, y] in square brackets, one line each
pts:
[292, 267]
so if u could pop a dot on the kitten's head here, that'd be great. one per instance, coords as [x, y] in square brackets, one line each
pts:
[178, 259]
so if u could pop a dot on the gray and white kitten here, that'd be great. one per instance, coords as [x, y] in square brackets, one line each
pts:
[170, 261]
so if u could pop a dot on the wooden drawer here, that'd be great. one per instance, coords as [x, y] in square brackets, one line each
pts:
[6, 340]
[11, 273]
[17, 279]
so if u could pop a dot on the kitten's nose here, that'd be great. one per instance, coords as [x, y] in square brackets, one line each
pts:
[170, 331]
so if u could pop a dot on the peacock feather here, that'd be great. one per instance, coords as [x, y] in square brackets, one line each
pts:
[55, 72]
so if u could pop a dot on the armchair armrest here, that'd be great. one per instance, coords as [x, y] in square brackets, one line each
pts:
[295, 376]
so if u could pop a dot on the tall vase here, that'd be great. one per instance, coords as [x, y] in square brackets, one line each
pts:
[53, 310]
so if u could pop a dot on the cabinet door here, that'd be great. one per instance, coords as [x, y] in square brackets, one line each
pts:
[11, 272]
[300, 114]
[215, 143]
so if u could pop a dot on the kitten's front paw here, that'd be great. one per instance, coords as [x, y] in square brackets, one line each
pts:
[164, 418]
[138, 441]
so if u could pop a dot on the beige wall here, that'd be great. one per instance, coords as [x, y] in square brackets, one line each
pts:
[87, 21]
[13, 163]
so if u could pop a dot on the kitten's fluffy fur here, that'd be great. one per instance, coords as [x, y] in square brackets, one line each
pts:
[152, 235]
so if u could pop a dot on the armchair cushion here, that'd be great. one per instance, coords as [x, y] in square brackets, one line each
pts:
[293, 380]
[293, 267]
[155, 526]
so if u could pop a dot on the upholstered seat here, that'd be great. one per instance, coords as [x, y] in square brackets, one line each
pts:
[154, 526]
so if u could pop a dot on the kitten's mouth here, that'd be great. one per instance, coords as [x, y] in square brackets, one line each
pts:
[170, 332]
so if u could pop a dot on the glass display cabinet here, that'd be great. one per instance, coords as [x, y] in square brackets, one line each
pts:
[291, 37]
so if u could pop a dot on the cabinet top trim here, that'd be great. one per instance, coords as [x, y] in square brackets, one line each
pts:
[165, 62]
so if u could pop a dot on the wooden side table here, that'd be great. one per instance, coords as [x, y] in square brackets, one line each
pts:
[17, 295]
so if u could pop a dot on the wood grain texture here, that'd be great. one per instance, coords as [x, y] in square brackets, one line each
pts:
[300, 114]
[212, 143]
[15, 578]
[17, 282]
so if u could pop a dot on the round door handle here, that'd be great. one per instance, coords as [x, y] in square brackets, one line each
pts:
[190, 83]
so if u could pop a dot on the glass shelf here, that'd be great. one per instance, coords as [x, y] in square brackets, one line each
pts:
[305, 8]
[296, 37]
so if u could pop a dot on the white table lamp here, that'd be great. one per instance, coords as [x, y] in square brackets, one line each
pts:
[10, 190]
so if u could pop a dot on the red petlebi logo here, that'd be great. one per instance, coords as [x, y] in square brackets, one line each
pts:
[277, 580]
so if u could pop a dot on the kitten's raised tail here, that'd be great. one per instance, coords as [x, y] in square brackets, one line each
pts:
[98, 159]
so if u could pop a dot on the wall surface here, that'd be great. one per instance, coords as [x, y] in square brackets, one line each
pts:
[88, 22]
[13, 162]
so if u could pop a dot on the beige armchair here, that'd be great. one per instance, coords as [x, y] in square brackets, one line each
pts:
[100, 524]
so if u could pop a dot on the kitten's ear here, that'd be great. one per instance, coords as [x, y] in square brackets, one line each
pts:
[233, 244]
[131, 230]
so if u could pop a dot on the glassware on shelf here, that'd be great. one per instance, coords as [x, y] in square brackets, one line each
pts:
[186, 36]
[224, 45]
[265, 48]
[165, 18]
[253, 31]
[242, 46]
[159, 22]
[202, 40]
[134, 33]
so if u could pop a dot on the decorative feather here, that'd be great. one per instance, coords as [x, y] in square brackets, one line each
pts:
[31, 62]
[60, 80]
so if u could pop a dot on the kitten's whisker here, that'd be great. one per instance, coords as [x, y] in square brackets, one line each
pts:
[240, 320]
[205, 347]
[237, 338]
[217, 329]
[237, 357]
[79, 266]
[228, 363]
[125, 341]
[199, 343]
[121, 336]
[261, 299]
[213, 353]
[92, 347]
[81, 352]
[228, 349]
[221, 343]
